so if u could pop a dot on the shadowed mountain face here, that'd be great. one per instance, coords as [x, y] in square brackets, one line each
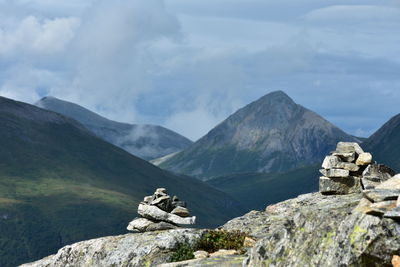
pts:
[271, 134]
[257, 190]
[145, 141]
[60, 184]
[385, 143]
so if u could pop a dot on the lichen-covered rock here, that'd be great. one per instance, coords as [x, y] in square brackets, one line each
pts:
[330, 162]
[349, 147]
[339, 186]
[145, 249]
[310, 230]
[318, 230]
[143, 225]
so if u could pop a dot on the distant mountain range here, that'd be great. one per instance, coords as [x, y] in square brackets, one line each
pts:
[272, 134]
[145, 141]
[385, 143]
[59, 184]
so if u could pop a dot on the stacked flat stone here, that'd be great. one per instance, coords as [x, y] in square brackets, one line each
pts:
[350, 170]
[161, 212]
[383, 200]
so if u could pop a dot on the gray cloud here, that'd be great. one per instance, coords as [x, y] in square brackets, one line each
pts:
[189, 64]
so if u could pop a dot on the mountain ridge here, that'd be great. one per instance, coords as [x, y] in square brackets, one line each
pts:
[143, 140]
[270, 134]
[59, 184]
[385, 141]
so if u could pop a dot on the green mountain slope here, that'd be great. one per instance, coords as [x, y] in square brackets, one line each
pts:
[272, 134]
[256, 190]
[385, 143]
[60, 184]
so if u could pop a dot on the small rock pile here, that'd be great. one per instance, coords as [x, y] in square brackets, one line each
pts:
[383, 200]
[350, 170]
[161, 212]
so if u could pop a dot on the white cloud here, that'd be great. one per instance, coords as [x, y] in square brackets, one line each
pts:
[35, 36]
[174, 62]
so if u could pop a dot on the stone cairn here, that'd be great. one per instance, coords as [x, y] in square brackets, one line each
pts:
[351, 170]
[161, 212]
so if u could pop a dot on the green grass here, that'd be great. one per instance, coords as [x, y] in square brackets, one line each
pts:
[211, 242]
[256, 190]
[59, 184]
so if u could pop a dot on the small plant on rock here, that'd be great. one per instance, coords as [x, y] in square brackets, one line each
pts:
[211, 241]
[215, 240]
[183, 252]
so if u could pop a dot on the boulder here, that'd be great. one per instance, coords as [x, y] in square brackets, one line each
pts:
[181, 211]
[377, 173]
[145, 225]
[339, 186]
[224, 252]
[139, 249]
[163, 202]
[155, 213]
[330, 162]
[370, 182]
[148, 199]
[176, 202]
[337, 173]
[349, 147]
[200, 254]
[378, 195]
[347, 157]
[347, 166]
[160, 192]
[392, 183]
[364, 159]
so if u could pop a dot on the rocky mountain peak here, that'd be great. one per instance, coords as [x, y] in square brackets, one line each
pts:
[270, 134]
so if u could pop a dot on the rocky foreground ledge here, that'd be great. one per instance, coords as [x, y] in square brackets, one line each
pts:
[310, 230]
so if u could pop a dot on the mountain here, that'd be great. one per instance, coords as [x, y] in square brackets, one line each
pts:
[60, 184]
[385, 143]
[145, 141]
[255, 190]
[272, 134]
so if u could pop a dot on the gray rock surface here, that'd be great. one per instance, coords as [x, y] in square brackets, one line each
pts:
[330, 162]
[349, 147]
[338, 173]
[378, 173]
[318, 230]
[145, 249]
[145, 225]
[181, 211]
[347, 157]
[339, 186]
[377, 195]
[310, 230]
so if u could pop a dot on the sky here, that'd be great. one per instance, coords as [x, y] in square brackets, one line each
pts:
[188, 64]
